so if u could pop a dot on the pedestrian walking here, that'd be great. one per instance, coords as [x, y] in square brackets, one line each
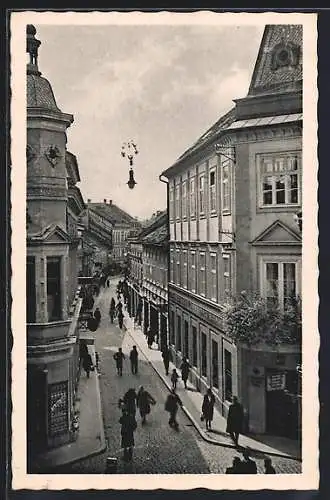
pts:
[248, 466]
[185, 368]
[133, 356]
[208, 408]
[236, 467]
[269, 469]
[128, 426]
[235, 420]
[167, 357]
[129, 401]
[97, 315]
[144, 400]
[88, 364]
[174, 378]
[108, 282]
[172, 405]
[150, 338]
[120, 316]
[119, 357]
[112, 309]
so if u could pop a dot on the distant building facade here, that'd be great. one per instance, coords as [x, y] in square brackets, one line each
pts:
[148, 282]
[233, 197]
[54, 203]
[123, 227]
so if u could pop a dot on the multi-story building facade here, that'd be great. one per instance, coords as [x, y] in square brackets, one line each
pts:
[148, 282]
[123, 227]
[54, 203]
[97, 240]
[233, 197]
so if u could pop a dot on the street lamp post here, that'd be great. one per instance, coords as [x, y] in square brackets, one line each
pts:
[129, 150]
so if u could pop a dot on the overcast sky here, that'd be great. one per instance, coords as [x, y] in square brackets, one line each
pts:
[161, 86]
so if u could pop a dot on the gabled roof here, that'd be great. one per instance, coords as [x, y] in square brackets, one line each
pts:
[113, 213]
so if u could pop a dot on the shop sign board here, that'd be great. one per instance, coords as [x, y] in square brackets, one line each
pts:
[58, 408]
[276, 382]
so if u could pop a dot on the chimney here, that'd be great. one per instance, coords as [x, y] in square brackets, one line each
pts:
[89, 200]
[105, 200]
[110, 202]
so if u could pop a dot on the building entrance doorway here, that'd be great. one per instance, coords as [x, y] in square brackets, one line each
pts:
[282, 403]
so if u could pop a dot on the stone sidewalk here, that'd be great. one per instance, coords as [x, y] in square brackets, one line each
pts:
[91, 439]
[192, 401]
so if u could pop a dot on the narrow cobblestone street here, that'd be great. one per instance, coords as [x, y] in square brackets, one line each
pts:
[158, 448]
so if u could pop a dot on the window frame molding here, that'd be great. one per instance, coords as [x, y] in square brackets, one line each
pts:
[280, 260]
[259, 177]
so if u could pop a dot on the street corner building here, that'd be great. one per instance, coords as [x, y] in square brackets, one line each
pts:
[54, 260]
[234, 203]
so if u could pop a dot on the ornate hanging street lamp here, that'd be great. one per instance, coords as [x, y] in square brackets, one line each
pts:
[129, 150]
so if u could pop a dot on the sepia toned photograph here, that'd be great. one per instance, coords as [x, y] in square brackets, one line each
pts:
[165, 258]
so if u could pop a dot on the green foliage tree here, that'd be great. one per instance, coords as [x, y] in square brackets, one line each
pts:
[251, 320]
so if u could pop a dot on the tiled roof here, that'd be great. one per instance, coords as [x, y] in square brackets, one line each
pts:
[208, 136]
[264, 78]
[157, 236]
[113, 213]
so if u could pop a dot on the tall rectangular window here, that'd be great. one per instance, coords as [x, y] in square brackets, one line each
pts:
[228, 392]
[194, 346]
[215, 365]
[226, 273]
[30, 290]
[202, 194]
[193, 197]
[226, 198]
[172, 265]
[184, 199]
[185, 269]
[202, 275]
[178, 268]
[279, 179]
[177, 202]
[178, 334]
[54, 288]
[203, 354]
[212, 192]
[192, 272]
[213, 277]
[186, 339]
[280, 283]
[172, 329]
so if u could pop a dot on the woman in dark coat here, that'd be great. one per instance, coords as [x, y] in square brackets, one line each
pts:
[144, 400]
[208, 408]
[128, 426]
